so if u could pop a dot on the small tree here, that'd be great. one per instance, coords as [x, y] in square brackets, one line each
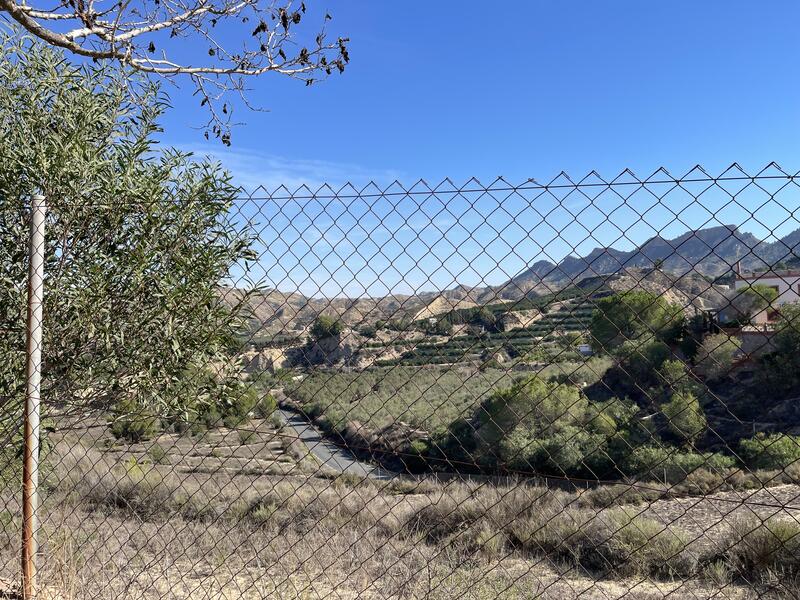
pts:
[787, 336]
[534, 403]
[633, 315]
[325, 327]
[440, 327]
[368, 331]
[715, 356]
[685, 416]
[486, 319]
[641, 359]
[675, 376]
[749, 301]
[780, 373]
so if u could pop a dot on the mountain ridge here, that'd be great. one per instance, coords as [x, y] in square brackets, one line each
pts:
[709, 252]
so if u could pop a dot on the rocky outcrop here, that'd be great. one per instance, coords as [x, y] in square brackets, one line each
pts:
[442, 305]
[349, 349]
[519, 319]
[267, 359]
[339, 349]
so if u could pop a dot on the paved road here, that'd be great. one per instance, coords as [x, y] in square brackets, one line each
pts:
[328, 453]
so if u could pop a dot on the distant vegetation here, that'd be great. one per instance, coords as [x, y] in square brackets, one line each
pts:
[634, 316]
[489, 314]
[526, 400]
[325, 327]
[425, 398]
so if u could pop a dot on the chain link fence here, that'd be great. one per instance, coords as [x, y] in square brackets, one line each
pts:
[572, 389]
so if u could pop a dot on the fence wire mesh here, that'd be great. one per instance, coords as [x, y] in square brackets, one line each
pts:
[574, 389]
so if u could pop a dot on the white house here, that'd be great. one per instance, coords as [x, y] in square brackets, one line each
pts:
[785, 282]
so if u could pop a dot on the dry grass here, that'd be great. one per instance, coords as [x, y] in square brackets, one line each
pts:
[114, 527]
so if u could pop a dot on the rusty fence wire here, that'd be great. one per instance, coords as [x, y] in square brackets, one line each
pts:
[580, 388]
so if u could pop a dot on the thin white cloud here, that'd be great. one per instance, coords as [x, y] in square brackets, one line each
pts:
[253, 168]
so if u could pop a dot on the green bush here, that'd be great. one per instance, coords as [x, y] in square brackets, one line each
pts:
[658, 462]
[684, 416]
[611, 417]
[531, 403]
[133, 422]
[570, 450]
[774, 451]
[544, 426]
[325, 327]
[715, 355]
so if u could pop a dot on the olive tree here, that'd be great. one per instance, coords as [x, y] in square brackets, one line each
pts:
[138, 240]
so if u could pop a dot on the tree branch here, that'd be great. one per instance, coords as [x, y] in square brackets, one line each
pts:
[128, 34]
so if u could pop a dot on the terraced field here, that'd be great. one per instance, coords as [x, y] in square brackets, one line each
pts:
[255, 448]
[570, 316]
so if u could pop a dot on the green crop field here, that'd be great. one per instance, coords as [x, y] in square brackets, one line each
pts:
[574, 317]
[428, 398]
[425, 398]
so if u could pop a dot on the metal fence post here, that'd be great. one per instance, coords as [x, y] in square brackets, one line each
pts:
[30, 470]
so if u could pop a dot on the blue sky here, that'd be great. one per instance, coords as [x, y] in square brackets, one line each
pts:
[523, 90]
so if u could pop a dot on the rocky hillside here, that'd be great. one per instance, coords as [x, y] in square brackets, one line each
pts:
[690, 290]
[686, 263]
[274, 313]
[711, 252]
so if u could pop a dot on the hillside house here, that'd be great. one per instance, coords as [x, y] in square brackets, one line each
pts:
[786, 282]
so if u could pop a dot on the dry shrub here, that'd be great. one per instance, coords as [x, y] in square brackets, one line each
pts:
[626, 544]
[614, 542]
[88, 477]
[466, 519]
[702, 482]
[553, 533]
[606, 496]
[443, 514]
[763, 547]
